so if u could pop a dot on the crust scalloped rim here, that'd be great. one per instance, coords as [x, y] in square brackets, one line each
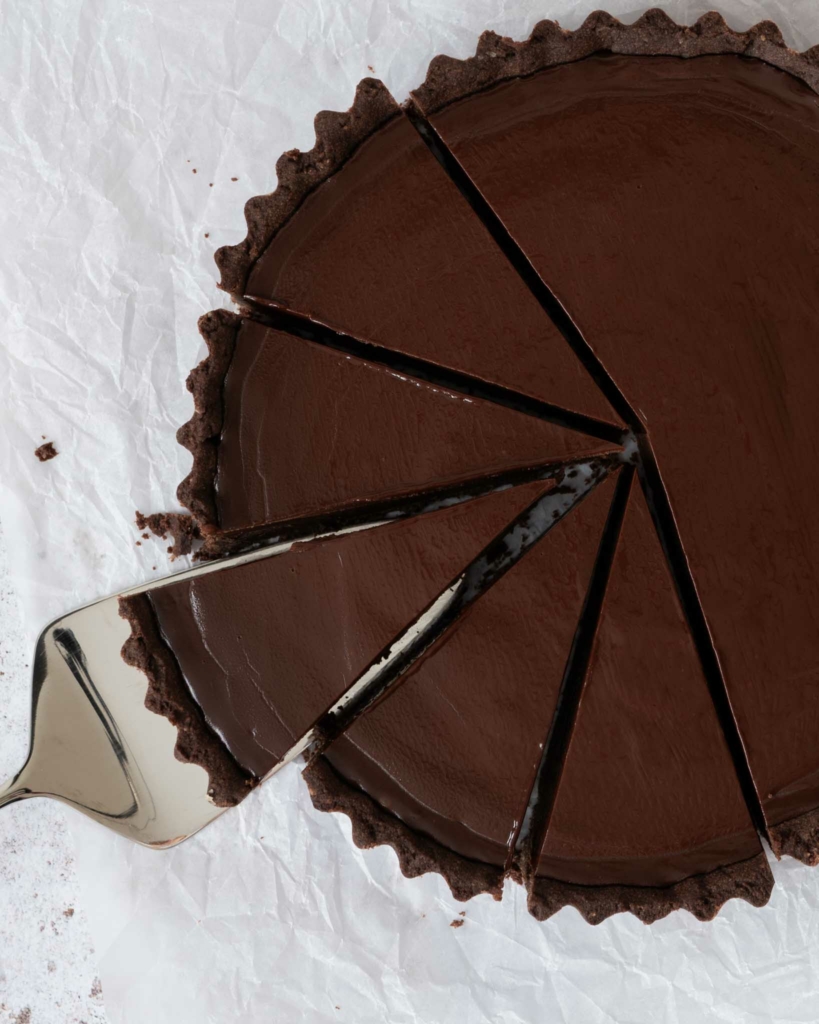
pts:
[798, 838]
[338, 135]
[168, 695]
[701, 895]
[498, 58]
[200, 435]
[374, 826]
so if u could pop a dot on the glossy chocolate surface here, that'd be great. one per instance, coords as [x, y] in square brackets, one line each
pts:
[648, 794]
[387, 250]
[453, 749]
[267, 647]
[308, 429]
[671, 205]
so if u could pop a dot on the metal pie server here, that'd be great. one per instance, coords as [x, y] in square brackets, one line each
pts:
[93, 743]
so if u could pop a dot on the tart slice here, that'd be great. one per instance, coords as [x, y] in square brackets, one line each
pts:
[287, 428]
[368, 235]
[647, 815]
[246, 659]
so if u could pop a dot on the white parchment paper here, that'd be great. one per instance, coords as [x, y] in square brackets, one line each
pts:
[122, 127]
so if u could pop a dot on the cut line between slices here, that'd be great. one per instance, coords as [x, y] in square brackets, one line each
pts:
[647, 466]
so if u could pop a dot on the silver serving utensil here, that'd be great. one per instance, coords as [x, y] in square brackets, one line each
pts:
[94, 745]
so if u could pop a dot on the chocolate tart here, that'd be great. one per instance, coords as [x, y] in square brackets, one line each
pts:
[581, 254]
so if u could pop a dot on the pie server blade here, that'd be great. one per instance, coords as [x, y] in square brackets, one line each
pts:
[93, 743]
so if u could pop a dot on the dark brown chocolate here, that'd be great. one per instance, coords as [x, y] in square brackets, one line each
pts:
[183, 530]
[46, 452]
[688, 258]
[267, 647]
[388, 251]
[452, 750]
[307, 430]
[648, 796]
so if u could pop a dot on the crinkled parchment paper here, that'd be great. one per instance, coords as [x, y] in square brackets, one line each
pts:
[115, 119]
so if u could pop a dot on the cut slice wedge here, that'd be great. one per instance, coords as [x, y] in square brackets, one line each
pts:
[301, 429]
[451, 751]
[648, 810]
[388, 251]
[265, 648]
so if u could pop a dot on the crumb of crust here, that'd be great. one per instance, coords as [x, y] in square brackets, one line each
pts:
[46, 451]
[456, 923]
[181, 528]
[68, 912]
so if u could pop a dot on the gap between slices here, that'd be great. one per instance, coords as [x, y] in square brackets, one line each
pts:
[445, 294]
[264, 457]
[648, 469]
[532, 829]
[268, 313]
[450, 751]
[501, 555]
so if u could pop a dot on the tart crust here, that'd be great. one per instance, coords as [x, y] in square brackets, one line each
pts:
[700, 895]
[338, 135]
[374, 826]
[654, 34]
[168, 695]
[200, 435]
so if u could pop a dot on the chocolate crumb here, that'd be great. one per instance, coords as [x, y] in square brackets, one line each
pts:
[194, 170]
[370, 67]
[69, 912]
[234, 179]
[207, 234]
[23, 1017]
[145, 536]
[46, 451]
[182, 529]
[139, 543]
[457, 923]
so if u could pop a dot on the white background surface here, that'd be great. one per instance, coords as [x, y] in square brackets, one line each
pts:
[271, 914]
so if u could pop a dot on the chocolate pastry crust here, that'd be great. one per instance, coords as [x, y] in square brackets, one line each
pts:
[200, 435]
[498, 58]
[168, 695]
[338, 135]
[373, 826]
[798, 837]
[700, 895]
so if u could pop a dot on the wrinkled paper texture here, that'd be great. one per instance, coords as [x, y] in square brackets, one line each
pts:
[115, 120]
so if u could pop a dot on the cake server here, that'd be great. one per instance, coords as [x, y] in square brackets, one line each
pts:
[93, 743]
